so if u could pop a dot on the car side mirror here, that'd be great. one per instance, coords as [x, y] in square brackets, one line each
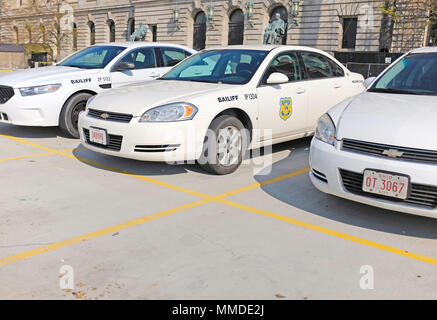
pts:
[277, 78]
[123, 66]
[368, 82]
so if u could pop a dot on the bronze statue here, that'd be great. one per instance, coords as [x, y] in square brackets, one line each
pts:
[139, 34]
[275, 32]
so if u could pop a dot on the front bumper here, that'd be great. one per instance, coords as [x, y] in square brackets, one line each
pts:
[165, 142]
[329, 160]
[39, 110]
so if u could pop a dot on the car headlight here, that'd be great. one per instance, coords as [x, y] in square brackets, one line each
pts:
[31, 91]
[325, 130]
[170, 112]
[89, 102]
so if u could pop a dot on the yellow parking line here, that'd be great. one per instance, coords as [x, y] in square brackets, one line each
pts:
[28, 156]
[99, 233]
[333, 233]
[7, 70]
[206, 199]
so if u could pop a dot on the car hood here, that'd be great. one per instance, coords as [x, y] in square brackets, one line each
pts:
[41, 76]
[392, 119]
[136, 99]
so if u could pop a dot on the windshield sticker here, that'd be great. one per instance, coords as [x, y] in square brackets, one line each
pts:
[85, 80]
[227, 99]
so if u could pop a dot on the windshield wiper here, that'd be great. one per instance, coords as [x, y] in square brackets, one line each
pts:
[395, 91]
[70, 65]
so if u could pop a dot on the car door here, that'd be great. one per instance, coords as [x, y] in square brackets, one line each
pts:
[325, 84]
[283, 107]
[146, 67]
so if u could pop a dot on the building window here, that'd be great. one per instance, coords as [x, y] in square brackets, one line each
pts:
[130, 27]
[284, 16]
[111, 25]
[92, 32]
[17, 39]
[154, 32]
[199, 36]
[42, 29]
[236, 27]
[349, 33]
[74, 36]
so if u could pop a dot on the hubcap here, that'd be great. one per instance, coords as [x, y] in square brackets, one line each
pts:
[229, 143]
[78, 108]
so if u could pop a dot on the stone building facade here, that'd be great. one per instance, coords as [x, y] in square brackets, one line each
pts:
[331, 25]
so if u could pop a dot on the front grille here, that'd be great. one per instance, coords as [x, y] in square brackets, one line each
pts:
[110, 116]
[114, 142]
[375, 149]
[5, 94]
[420, 195]
[157, 148]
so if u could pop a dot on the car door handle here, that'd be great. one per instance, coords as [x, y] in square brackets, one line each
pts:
[154, 75]
[337, 85]
[300, 90]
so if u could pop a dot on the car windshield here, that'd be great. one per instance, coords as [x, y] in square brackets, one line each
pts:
[96, 57]
[414, 74]
[218, 66]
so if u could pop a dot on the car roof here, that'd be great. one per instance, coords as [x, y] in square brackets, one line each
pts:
[266, 47]
[425, 50]
[136, 44]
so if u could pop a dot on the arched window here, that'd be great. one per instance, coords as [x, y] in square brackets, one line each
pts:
[284, 16]
[17, 39]
[199, 36]
[111, 25]
[74, 36]
[130, 27]
[236, 27]
[92, 32]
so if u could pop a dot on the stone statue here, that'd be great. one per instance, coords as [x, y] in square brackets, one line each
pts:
[275, 32]
[139, 34]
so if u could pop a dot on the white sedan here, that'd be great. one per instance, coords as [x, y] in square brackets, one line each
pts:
[55, 95]
[380, 147]
[218, 103]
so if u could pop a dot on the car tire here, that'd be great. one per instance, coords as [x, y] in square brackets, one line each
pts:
[220, 155]
[69, 116]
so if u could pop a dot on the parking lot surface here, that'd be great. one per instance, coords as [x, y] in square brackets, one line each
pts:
[141, 230]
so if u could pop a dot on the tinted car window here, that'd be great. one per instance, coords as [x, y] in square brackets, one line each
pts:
[215, 66]
[142, 58]
[172, 56]
[96, 57]
[337, 71]
[416, 73]
[286, 63]
[317, 65]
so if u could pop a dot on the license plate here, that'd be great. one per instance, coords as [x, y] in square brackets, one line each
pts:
[98, 136]
[386, 184]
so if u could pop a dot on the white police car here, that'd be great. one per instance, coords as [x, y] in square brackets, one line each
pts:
[283, 89]
[55, 95]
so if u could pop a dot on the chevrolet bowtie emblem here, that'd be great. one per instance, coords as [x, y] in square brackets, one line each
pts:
[392, 153]
[104, 116]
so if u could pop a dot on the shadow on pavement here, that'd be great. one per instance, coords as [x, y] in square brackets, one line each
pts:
[300, 193]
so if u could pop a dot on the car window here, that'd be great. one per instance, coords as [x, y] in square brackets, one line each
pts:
[172, 56]
[337, 71]
[286, 63]
[416, 73]
[142, 58]
[231, 66]
[317, 65]
[95, 57]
